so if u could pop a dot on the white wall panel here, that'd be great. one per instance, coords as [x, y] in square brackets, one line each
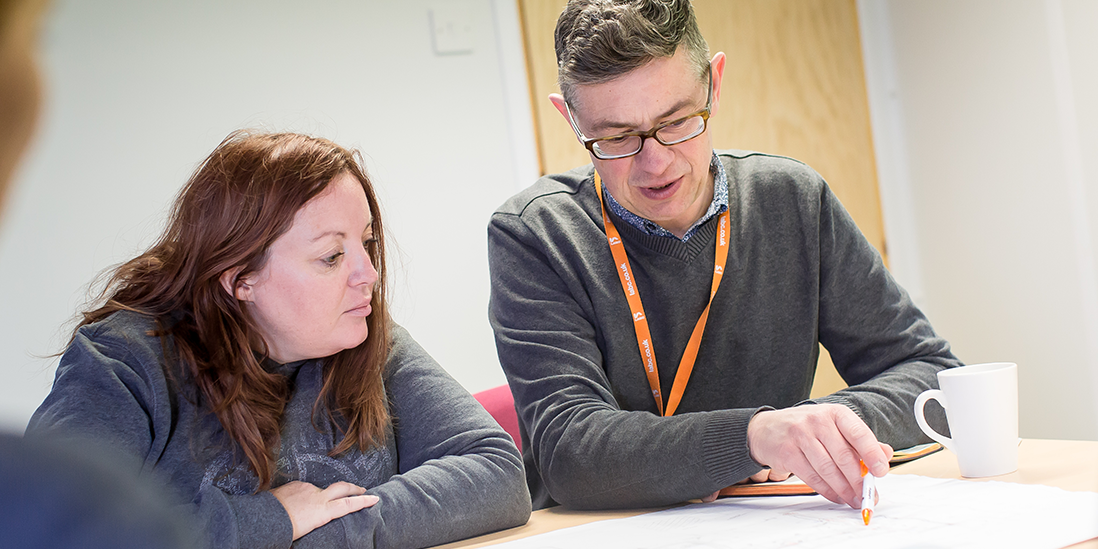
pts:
[139, 92]
[996, 207]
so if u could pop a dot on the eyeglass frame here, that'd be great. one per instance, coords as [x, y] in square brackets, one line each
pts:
[589, 143]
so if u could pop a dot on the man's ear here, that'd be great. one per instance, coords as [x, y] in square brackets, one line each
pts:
[239, 288]
[717, 66]
[558, 101]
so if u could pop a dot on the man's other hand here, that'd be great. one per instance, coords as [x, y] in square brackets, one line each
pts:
[821, 444]
[766, 475]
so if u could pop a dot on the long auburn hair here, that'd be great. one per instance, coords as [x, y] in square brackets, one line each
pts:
[238, 202]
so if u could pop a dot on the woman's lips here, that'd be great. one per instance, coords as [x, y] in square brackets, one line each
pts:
[363, 311]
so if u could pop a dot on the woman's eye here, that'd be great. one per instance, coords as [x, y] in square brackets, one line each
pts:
[331, 260]
[369, 242]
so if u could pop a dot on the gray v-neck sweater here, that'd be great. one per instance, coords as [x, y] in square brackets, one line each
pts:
[799, 273]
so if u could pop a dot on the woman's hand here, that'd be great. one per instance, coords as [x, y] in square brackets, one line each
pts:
[310, 507]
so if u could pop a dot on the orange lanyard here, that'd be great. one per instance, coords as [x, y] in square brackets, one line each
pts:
[640, 322]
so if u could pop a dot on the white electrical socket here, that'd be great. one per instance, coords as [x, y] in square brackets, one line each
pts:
[452, 27]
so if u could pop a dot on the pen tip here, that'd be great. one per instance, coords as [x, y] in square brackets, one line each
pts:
[866, 514]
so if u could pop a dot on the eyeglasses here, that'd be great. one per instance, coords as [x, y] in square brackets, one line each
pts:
[668, 133]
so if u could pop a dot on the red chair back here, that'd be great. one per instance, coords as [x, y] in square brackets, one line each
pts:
[499, 402]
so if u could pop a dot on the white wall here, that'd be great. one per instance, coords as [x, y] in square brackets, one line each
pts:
[138, 92]
[985, 121]
[985, 117]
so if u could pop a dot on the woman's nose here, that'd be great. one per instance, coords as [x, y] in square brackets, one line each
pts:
[363, 270]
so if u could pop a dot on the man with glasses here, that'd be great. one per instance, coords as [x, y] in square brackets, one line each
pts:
[658, 313]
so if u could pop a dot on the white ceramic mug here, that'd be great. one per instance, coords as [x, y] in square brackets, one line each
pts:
[981, 405]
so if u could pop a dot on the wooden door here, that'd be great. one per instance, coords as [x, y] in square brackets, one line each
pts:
[793, 85]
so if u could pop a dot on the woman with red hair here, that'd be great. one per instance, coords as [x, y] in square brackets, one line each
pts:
[248, 360]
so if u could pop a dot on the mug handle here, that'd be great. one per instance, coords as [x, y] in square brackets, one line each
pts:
[920, 402]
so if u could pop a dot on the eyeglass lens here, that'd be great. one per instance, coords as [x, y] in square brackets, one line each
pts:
[671, 134]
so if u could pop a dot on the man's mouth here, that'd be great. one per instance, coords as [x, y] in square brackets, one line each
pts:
[660, 192]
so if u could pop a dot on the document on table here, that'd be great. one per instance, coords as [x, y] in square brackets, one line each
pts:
[913, 512]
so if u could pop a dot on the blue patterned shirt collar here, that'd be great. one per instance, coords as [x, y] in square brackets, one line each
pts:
[718, 206]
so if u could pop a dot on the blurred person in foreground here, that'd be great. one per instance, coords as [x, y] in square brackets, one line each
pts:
[659, 312]
[54, 495]
[248, 358]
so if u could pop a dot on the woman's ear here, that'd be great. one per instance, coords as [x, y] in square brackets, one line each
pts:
[236, 287]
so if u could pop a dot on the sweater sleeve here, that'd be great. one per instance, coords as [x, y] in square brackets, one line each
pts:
[881, 343]
[460, 474]
[586, 450]
[108, 391]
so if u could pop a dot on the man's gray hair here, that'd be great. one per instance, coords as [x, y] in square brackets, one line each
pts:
[599, 40]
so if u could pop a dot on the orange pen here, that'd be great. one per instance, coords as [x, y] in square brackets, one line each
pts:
[869, 493]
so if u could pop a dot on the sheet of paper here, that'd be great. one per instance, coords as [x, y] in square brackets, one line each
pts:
[914, 512]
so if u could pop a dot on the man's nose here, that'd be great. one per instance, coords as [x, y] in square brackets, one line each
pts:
[654, 156]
